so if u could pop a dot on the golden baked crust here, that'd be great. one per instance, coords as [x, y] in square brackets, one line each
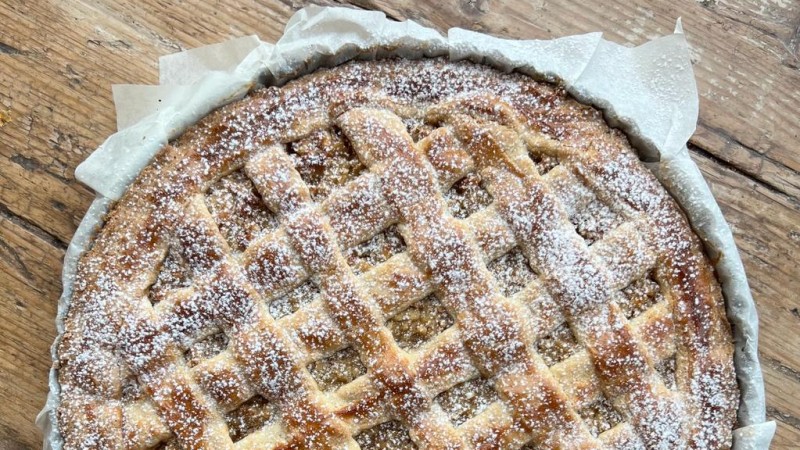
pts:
[397, 254]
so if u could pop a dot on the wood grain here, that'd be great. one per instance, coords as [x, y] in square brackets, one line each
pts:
[59, 59]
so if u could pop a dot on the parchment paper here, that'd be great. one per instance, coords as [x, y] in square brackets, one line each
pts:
[649, 91]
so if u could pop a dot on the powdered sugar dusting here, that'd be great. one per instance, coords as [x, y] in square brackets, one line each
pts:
[342, 233]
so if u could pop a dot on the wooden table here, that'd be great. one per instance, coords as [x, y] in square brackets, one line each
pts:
[59, 59]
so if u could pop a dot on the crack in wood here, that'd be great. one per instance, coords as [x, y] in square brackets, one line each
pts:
[700, 152]
[118, 43]
[747, 173]
[781, 367]
[32, 165]
[784, 417]
[721, 162]
[146, 30]
[12, 257]
[9, 50]
[41, 233]
[751, 25]
[728, 136]
[792, 61]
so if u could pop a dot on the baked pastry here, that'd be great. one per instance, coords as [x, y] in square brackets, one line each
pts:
[393, 255]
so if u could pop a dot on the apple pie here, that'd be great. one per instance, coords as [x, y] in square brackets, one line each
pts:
[397, 254]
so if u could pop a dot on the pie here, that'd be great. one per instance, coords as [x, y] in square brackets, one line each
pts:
[397, 254]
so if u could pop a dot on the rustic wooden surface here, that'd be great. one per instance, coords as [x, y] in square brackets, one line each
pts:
[59, 59]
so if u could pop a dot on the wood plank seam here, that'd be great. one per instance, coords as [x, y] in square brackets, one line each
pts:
[32, 165]
[727, 136]
[702, 153]
[49, 238]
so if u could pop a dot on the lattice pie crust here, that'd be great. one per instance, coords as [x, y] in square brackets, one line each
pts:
[397, 255]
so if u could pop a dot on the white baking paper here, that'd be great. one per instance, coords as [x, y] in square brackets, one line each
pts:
[649, 91]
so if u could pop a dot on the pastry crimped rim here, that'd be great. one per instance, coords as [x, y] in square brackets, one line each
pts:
[417, 128]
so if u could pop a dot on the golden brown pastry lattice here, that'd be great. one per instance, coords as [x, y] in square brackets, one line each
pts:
[397, 255]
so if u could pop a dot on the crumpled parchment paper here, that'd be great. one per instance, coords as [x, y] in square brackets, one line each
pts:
[649, 91]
